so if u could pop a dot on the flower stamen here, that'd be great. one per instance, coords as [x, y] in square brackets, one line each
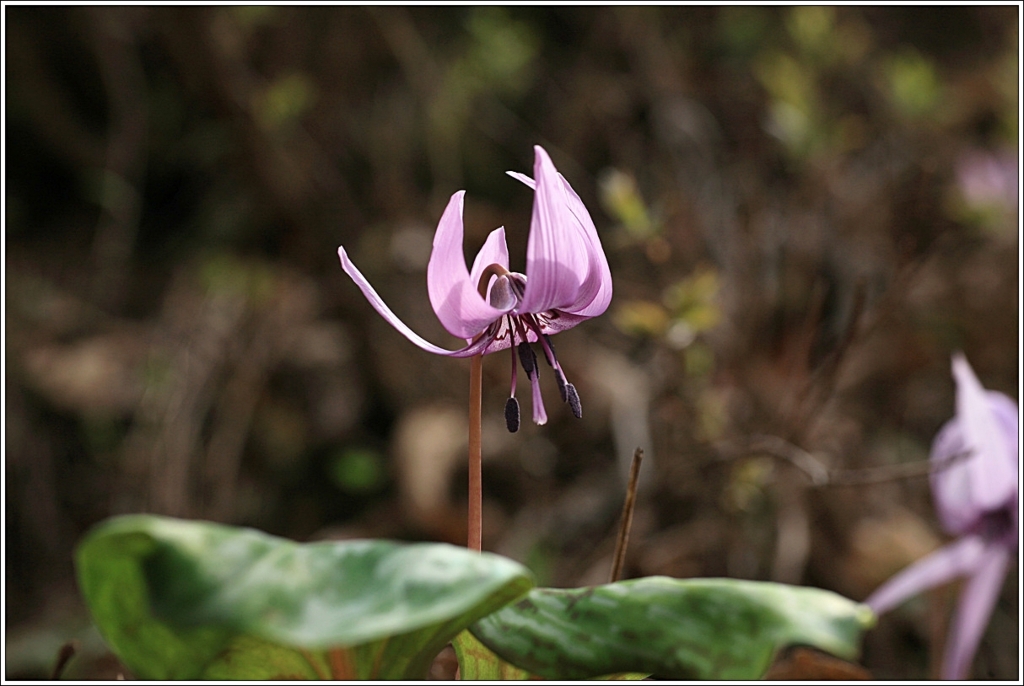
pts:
[567, 390]
[512, 405]
[507, 293]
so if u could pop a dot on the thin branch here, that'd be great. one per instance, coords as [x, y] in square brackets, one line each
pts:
[798, 457]
[821, 476]
[64, 655]
[896, 472]
[627, 517]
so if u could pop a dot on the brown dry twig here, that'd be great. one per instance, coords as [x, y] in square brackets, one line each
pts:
[64, 655]
[627, 517]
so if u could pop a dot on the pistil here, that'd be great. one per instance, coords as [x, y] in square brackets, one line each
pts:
[528, 358]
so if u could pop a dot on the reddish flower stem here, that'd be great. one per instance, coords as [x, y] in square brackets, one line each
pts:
[342, 668]
[474, 539]
[315, 665]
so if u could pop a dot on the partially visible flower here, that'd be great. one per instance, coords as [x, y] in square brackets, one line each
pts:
[989, 179]
[976, 499]
[567, 281]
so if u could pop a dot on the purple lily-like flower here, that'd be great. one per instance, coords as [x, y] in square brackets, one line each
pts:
[567, 281]
[976, 499]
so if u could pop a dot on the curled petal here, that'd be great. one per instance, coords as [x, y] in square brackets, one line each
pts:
[494, 251]
[557, 255]
[955, 560]
[523, 178]
[500, 336]
[454, 297]
[951, 485]
[595, 290]
[474, 348]
[1008, 419]
[973, 612]
[557, 322]
[1006, 414]
[993, 479]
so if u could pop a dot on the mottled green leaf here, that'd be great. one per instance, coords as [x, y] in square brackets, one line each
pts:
[477, 663]
[254, 659]
[178, 599]
[672, 628]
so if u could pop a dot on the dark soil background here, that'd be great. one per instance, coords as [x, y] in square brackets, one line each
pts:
[806, 211]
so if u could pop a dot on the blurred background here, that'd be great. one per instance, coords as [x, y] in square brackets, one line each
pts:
[805, 210]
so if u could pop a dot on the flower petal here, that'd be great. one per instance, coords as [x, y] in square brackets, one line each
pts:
[523, 178]
[951, 485]
[472, 349]
[1007, 416]
[595, 290]
[494, 251]
[973, 611]
[557, 255]
[945, 564]
[992, 480]
[455, 299]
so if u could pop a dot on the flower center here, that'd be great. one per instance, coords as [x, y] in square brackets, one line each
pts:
[506, 293]
[998, 525]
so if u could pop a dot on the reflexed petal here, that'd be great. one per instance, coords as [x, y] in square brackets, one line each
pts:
[494, 251]
[523, 178]
[1007, 418]
[992, 479]
[973, 611]
[959, 558]
[455, 299]
[557, 255]
[501, 337]
[385, 311]
[595, 291]
[559, 321]
[951, 485]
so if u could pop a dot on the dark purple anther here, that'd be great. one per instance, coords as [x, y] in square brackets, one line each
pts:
[512, 415]
[573, 398]
[528, 358]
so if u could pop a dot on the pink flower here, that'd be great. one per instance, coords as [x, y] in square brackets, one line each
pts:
[976, 499]
[567, 281]
[989, 178]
